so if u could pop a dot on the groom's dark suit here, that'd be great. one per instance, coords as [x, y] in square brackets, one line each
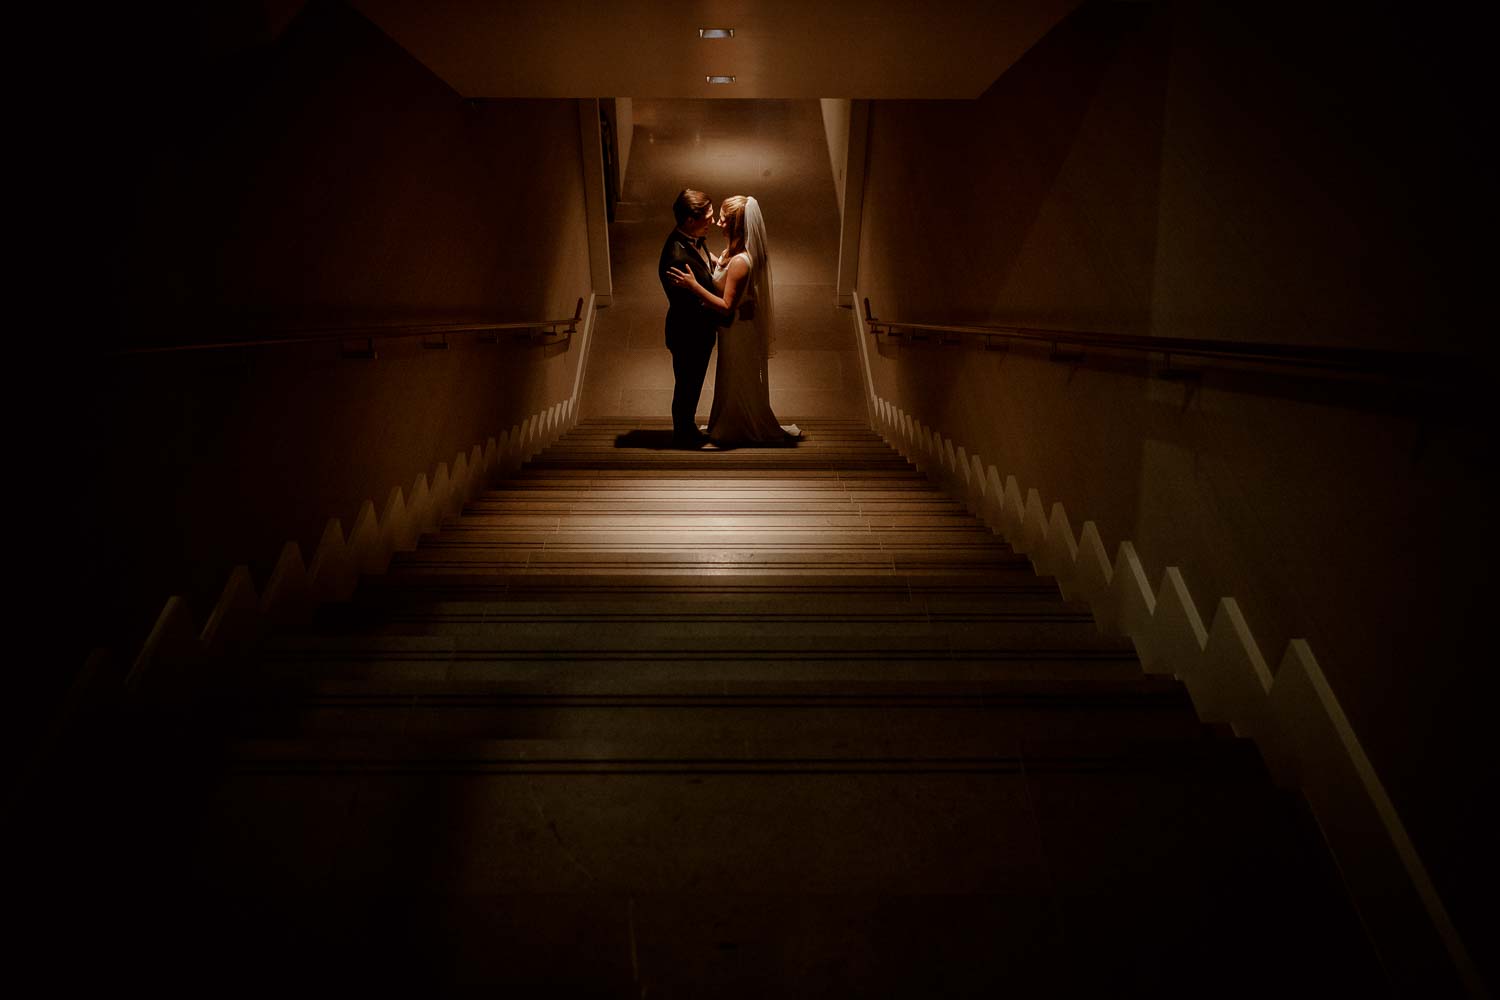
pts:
[691, 327]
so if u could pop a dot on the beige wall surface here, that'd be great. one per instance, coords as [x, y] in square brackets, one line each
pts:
[836, 124]
[344, 183]
[1175, 171]
[625, 132]
[349, 183]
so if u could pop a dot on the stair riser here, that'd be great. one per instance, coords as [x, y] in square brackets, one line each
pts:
[728, 559]
[737, 732]
[392, 604]
[564, 672]
[822, 538]
[810, 586]
[669, 638]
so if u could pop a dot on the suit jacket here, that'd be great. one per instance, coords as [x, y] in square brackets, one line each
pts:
[689, 321]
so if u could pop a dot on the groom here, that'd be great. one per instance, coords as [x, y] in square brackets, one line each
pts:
[691, 325]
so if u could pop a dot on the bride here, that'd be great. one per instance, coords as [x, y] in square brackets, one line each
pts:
[742, 282]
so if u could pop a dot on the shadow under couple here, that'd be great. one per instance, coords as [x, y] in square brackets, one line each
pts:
[704, 293]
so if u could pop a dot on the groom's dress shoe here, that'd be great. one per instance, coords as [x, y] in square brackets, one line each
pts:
[691, 441]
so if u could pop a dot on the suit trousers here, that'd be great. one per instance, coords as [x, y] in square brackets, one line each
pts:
[689, 367]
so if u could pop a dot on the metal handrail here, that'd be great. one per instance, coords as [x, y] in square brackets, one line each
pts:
[370, 334]
[1353, 360]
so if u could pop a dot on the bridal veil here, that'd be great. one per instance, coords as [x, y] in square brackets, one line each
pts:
[760, 256]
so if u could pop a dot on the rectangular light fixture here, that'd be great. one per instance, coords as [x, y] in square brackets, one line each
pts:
[719, 79]
[715, 32]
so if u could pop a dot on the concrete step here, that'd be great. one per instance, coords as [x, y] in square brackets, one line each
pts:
[1016, 631]
[811, 429]
[805, 536]
[715, 517]
[435, 669]
[592, 503]
[694, 496]
[624, 447]
[627, 421]
[719, 560]
[316, 662]
[1030, 634]
[899, 721]
[811, 440]
[720, 464]
[517, 583]
[379, 607]
[1194, 755]
[705, 467]
[604, 460]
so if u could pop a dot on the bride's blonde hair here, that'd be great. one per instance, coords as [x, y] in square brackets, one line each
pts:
[733, 211]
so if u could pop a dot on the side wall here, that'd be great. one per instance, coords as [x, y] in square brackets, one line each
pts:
[836, 125]
[625, 132]
[1180, 170]
[329, 179]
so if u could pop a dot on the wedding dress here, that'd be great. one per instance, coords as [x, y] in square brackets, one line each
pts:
[741, 413]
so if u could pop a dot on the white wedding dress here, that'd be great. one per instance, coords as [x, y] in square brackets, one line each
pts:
[741, 413]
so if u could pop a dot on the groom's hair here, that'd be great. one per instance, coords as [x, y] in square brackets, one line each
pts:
[690, 204]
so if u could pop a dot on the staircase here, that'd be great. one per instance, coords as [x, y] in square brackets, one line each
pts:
[755, 723]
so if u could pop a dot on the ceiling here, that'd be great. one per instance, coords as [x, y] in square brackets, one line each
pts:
[886, 49]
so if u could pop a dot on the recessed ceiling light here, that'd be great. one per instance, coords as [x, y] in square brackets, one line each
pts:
[719, 79]
[715, 32]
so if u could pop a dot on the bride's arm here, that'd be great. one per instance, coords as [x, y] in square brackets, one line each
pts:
[734, 280]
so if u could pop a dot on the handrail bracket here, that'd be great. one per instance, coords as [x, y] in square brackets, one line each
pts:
[548, 333]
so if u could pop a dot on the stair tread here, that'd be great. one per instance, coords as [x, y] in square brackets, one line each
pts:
[769, 608]
[1008, 580]
[1075, 632]
[567, 672]
[604, 688]
[1174, 753]
[820, 536]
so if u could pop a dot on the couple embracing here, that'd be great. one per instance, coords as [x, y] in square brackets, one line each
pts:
[705, 292]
